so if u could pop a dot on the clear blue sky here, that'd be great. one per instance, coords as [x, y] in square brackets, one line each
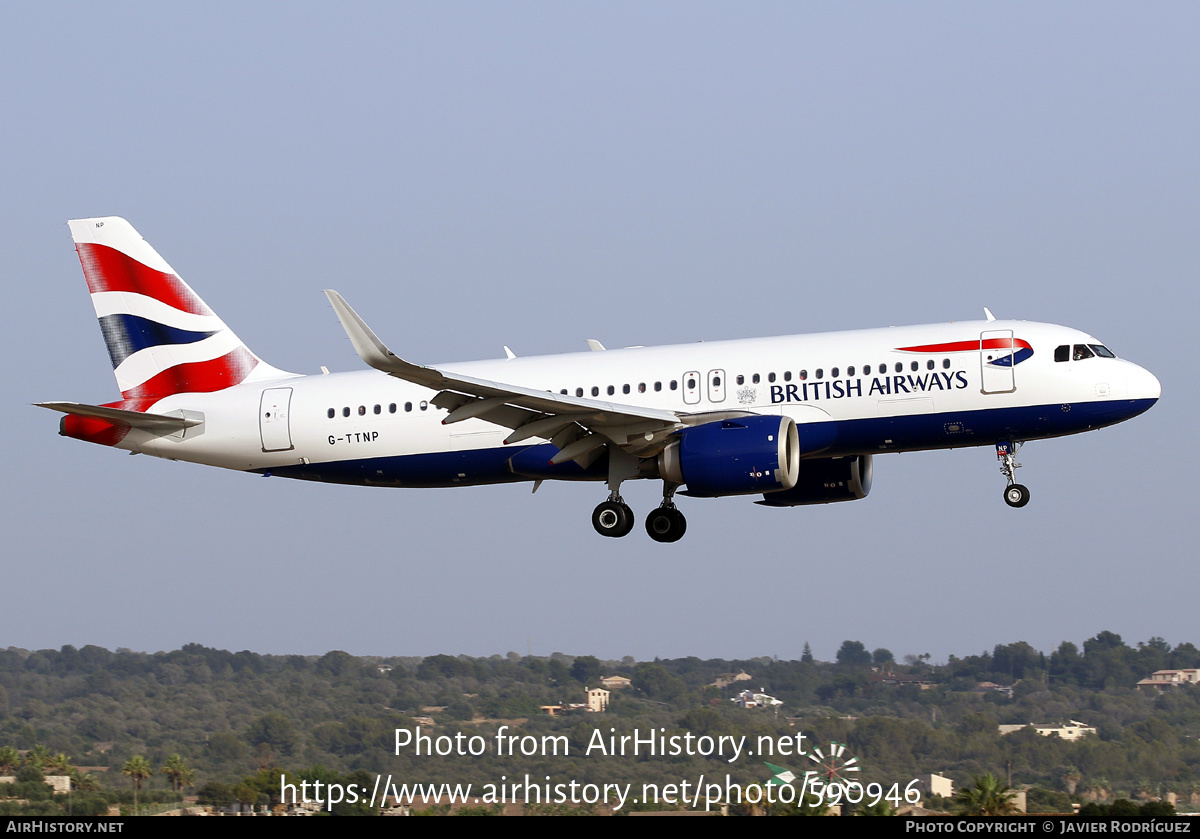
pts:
[475, 175]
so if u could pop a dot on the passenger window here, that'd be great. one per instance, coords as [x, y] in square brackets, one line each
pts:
[716, 381]
[691, 384]
[820, 373]
[916, 365]
[378, 409]
[849, 371]
[579, 391]
[674, 384]
[332, 413]
[755, 378]
[595, 391]
[866, 370]
[611, 390]
[787, 375]
[899, 367]
[624, 388]
[929, 364]
[1082, 352]
[563, 391]
[803, 375]
[424, 405]
[833, 374]
[346, 412]
[741, 380]
[657, 387]
[770, 377]
[392, 408]
[407, 406]
[946, 363]
[641, 387]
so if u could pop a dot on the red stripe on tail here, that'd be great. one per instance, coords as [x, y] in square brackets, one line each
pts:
[198, 376]
[107, 269]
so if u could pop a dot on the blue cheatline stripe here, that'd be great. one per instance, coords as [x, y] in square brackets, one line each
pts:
[875, 435]
[127, 334]
[1015, 358]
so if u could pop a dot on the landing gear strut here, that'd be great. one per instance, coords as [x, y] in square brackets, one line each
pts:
[1015, 495]
[613, 517]
[666, 524]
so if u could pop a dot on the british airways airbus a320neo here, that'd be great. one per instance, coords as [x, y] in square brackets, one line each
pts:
[795, 420]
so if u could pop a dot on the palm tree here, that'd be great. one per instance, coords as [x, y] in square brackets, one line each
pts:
[38, 756]
[138, 768]
[10, 760]
[83, 780]
[988, 797]
[179, 773]
[59, 763]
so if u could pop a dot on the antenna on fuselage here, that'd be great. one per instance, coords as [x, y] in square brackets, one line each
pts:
[988, 313]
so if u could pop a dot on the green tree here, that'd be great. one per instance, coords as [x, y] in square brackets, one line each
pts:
[274, 729]
[854, 654]
[137, 768]
[179, 772]
[38, 756]
[986, 797]
[586, 669]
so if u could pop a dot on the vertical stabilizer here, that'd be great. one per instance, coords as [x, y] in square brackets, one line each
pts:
[162, 338]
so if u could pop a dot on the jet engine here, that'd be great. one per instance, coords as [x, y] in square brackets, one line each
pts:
[826, 481]
[739, 456]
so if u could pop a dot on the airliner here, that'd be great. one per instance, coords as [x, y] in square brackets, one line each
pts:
[796, 420]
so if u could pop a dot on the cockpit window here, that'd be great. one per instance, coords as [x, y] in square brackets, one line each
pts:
[1102, 351]
[1062, 353]
[1082, 352]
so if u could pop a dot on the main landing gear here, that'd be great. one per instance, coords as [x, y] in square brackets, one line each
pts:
[614, 518]
[1015, 495]
[666, 524]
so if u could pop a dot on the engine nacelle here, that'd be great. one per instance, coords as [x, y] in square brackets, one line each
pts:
[826, 481]
[741, 456]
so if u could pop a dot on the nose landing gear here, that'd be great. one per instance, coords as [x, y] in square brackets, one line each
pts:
[1015, 495]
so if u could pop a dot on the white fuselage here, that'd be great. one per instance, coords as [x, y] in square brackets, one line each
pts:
[860, 392]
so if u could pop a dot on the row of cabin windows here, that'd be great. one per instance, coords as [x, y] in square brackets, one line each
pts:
[378, 409]
[612, 389]
[756, 378]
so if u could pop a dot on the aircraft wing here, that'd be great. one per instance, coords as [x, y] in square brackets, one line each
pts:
[578, 427]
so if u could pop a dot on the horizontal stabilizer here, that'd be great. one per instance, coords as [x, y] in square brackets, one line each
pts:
[133, 419]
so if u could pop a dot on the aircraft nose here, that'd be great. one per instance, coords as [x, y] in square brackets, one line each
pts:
[1143, 384]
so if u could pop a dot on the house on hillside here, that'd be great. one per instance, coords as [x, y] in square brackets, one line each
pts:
[1164, 679]
[1070, 730]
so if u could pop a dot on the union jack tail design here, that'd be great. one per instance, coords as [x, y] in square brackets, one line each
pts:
[161, 336]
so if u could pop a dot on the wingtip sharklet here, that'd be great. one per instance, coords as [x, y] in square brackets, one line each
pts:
[366, 343]
[372, 350]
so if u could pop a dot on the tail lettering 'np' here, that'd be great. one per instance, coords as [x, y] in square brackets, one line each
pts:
[161, 336]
